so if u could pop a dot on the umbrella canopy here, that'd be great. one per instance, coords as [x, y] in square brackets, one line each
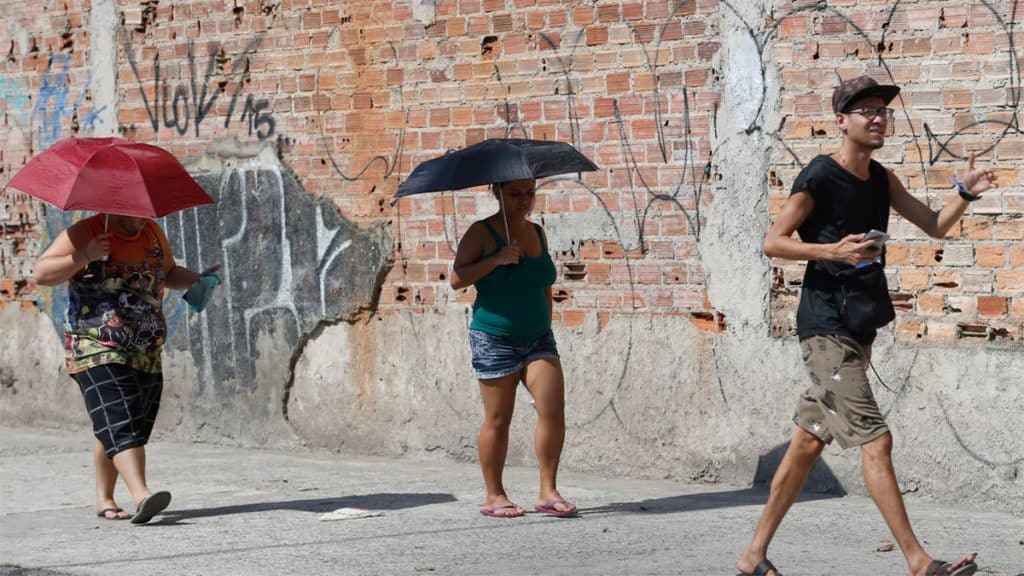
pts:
[110, 175]
[495, 160]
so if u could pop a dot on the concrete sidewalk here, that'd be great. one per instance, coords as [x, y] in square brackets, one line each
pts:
[246, 512]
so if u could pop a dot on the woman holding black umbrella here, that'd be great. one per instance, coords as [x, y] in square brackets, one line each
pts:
[505, 256]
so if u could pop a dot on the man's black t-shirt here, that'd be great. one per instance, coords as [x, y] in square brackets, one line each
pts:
[843, 205]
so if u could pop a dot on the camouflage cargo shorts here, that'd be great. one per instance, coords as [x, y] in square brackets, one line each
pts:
[839, 404]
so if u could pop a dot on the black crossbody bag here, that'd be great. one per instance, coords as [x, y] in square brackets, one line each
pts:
[864, 301]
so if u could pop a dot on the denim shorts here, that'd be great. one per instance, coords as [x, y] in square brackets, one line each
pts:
[498, 356]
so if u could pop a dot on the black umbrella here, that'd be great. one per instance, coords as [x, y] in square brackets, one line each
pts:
[495, 160]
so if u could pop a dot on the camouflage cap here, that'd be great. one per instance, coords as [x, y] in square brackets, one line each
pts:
[860, 87]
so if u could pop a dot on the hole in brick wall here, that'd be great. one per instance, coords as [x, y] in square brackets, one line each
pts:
[1000, 334]
[400, 293]
[903, 301]
[710, 320]
[67, 38]
[938, 255]
[949, 284]
[487, 44]
[238, 11]
[268, 6]
[949, 309]
[964, 330]
[442, 276]
[560, 296]
[223, 61]
[575, 271]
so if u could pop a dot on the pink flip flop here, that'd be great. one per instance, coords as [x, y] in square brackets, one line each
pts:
[549, 508]
[492, 511]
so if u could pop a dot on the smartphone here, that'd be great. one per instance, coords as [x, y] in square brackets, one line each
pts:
[880, 239]
[878, 236]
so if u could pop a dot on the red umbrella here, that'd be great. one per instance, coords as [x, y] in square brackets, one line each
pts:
[110, 175]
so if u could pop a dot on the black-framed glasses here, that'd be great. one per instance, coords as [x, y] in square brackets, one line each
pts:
[869, 112]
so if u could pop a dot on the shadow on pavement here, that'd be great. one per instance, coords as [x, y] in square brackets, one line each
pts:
[821, 484]
[385, 501]
[12, 570]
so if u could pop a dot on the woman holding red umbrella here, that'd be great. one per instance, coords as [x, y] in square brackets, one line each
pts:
[116, 265]
[113, 337]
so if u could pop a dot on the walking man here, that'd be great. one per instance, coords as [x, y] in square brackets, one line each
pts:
[840, 206]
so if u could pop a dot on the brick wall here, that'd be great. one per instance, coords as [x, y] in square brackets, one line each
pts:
[957, 69]
[356, 93]
[43, 96]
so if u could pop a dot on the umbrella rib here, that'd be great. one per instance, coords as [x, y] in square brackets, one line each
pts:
[138, 168]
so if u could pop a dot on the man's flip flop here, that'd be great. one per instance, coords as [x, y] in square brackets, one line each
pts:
[493, 511]
[763, 568]
[151, 506]
[940, 568]
[103, 514]
[549, 508]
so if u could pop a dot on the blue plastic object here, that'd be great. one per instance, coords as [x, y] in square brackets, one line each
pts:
[198, 295]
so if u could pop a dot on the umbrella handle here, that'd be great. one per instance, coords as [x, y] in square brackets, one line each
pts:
[106, 227]
[504, 217]
[501, 199]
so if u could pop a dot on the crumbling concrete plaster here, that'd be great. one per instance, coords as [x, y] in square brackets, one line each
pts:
[658, 398]
[652, 397]
[34, 387]
[104, 19]
[290, 263]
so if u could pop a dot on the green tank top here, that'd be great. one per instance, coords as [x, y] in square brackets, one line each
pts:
[511, 301]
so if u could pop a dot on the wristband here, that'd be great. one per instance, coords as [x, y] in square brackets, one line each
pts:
[962, 190]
